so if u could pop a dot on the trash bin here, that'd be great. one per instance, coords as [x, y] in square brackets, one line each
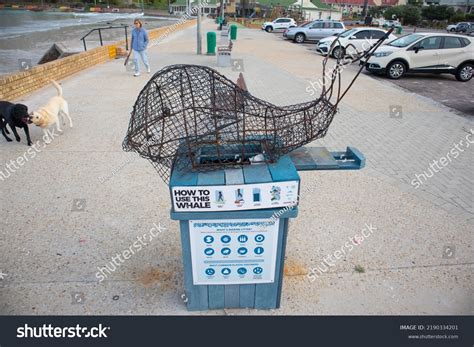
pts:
[234, 226]
[211, 43]
[399, 30]
[233, 32]
[223, 57]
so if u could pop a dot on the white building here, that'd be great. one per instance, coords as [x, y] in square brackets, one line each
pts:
[312, 11]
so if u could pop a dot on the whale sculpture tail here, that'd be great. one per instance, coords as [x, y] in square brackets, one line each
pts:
[193, 116]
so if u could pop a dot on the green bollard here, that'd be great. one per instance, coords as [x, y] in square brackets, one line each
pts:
[399, 30]
[233, 32]
[211, 43]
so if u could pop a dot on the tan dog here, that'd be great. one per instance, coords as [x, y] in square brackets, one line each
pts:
[49, 114]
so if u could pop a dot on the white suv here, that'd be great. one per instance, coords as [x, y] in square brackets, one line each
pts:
[351, 42]
[427, 53]
[279, 23]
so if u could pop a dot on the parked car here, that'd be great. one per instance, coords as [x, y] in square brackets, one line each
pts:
[425, 52]
[452, 27]
[392, 24]
[351, 41]
[316, 30]
[279, 23]
[470, 30]
[376, 23]
[462, 27]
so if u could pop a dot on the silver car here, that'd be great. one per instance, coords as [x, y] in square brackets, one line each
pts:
[316, 30]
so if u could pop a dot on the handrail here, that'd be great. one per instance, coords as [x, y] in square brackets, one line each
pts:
[100, 34]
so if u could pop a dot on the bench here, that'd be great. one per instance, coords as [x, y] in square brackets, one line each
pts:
[224, 55]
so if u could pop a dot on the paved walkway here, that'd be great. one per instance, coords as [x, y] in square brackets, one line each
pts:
[81, 200]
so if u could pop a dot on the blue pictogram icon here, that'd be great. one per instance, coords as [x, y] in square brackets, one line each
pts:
[208, 251]
[259, 238]
[210, 271]
[258, 270]
[258, 250]
[242, 238]
[225, 239]
[242, 250]
[225, 251]
[241, 271]
[208, 239]
[225, 271]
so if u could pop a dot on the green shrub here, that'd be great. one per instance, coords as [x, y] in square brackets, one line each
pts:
[440, 12]
[458, 17]
[409, 14]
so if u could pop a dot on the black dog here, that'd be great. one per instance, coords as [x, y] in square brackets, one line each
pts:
[16, 116]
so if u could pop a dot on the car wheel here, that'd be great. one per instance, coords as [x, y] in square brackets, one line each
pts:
[465, 72]
[338, 52]
[269, 29]
[452, 30]
[396, 70]
[299, 38]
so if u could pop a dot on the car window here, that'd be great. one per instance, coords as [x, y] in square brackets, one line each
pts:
[430, 43]
[338, 25]
[327, 25]
[286, 20]
[279, 21]
[348, 33]
[465, 41]
[452, 42]
[317, 25]
[405, 41]
[377, 34]
[364, 34]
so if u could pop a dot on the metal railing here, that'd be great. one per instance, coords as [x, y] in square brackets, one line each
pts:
[123, 26]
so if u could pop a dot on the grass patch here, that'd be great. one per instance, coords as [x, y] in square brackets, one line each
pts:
[359, 269]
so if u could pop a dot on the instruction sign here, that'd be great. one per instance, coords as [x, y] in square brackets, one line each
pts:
[239, 251]
[235, 197]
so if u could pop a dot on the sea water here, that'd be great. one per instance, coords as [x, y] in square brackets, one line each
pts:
[27, 35]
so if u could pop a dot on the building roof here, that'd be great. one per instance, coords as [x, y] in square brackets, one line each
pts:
[390, 3]
[307, 4]
[350, 2]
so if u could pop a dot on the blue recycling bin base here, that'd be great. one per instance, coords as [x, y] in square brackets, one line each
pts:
[234, 226]
[233, 247]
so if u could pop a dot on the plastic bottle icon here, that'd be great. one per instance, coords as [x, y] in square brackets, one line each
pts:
[256, 195]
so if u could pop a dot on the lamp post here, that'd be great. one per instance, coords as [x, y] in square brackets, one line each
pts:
[199, 39]
[222, 14]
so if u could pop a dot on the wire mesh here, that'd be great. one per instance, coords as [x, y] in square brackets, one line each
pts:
[192, 117]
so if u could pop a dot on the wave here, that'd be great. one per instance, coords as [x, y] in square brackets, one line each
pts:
[72, 20]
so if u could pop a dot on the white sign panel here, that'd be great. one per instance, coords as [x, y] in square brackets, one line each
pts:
[238, 251]
[235, 197]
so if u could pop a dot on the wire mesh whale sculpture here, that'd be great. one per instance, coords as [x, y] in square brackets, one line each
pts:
[192, 117]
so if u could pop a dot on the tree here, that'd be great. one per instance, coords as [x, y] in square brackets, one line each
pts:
[441, 12]
[408, 14]
[394, 12]
[376, 11]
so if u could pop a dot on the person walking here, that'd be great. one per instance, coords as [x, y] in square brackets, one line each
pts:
[139, 45]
